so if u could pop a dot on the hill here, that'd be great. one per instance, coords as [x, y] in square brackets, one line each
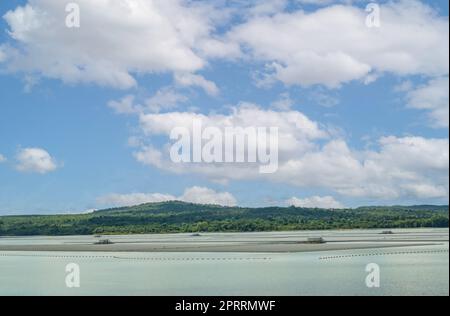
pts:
[180, 217]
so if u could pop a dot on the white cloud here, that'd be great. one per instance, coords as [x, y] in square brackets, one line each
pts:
[182, 37]
[267, 7]
[311, 156]
[323, 98]
[297, 48]
[199, 195]
[402, 167]
[89, 211]
[295, 127]
[158, 36]
[191, 80]
[432, 97]
[118, 200]
[296, 135]
[164, 99]
[284, 103]
[2, 158]
[203, 195]
[301, 48]
[125, 105]
[35, 160]
[327, 202]
[2, 53]
[404, 86]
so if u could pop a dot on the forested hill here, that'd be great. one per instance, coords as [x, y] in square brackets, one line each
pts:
[179, 217]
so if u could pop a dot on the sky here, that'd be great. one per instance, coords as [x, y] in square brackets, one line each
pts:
[360, 99]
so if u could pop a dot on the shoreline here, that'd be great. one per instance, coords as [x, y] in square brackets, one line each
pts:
[287, 242]
[371, 231]
[236, 248]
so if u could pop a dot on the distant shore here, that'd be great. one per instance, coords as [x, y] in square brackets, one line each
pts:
[248, 248]
[179, 217]
[276, 242]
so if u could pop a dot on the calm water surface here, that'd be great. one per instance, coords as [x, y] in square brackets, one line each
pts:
[404, 271]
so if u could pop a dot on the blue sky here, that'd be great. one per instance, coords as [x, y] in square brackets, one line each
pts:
[63, 149]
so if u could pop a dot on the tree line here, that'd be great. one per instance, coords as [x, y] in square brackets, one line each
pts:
[179, 217]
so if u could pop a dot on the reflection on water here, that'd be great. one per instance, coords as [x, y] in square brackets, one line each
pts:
[404, 271]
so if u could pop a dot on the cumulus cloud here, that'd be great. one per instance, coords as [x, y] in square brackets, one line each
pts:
[315, 202]
[296, 128]
[159, 36]
[297, 48]
[199, 195]
[301, 48]
[35, 160]
[2, 158]
[182, 37]
[118, 200]
[125, 105]
[311, 156]
[434, 98]
[2, 53]
[296, 134]
[164, 99]
[203, 195]
[284, 103]
[401, 167]
[191, 80]
[323, 98]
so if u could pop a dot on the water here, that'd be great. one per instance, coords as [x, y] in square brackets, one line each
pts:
[404, 271]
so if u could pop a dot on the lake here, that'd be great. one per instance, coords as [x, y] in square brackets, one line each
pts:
[420, 270]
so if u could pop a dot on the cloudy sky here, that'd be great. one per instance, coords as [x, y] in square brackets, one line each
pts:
[86, 112]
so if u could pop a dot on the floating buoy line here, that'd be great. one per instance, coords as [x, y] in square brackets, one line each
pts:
[134, 258]
[398, 253]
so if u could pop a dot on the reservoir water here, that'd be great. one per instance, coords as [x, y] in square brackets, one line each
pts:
[417, 270]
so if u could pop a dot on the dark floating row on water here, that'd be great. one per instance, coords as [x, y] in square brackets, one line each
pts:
[137, 258]
[384, 254]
